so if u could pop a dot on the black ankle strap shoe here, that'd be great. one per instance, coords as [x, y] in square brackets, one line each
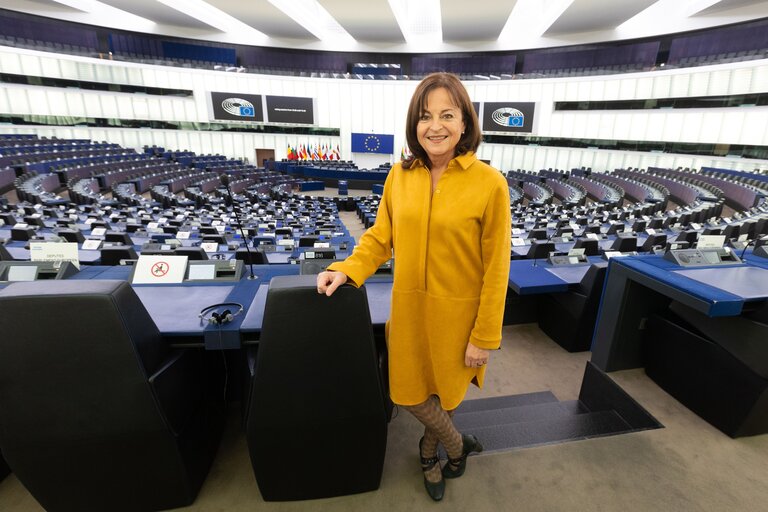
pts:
[455, 467]
[436, 490]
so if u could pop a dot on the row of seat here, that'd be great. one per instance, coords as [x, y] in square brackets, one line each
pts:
[111, 418]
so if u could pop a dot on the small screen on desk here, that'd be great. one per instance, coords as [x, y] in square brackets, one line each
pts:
[22, 273]
[200, 272]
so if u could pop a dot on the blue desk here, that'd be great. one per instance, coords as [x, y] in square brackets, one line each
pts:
[527, 279]
[639, 286]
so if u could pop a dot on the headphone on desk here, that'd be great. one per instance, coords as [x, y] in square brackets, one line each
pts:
[224, 317]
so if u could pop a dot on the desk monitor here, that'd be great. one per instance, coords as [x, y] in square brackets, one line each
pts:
[309, 267]
[35, 270]
[320, 254]
[214, 270]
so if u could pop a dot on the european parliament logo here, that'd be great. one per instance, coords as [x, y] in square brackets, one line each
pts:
[238, 107]
[508, 116]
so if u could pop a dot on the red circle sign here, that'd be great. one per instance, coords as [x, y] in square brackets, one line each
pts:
[160, 268]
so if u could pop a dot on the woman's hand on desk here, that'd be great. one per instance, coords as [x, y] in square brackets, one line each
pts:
[327, 282]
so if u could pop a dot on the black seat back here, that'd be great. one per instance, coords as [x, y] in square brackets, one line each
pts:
[316, 384]
[113, 255]
[71, 235]
[96, 411]
[624, 244]
[590, 246]
[540, 249]
[192, 253]
[655, 240]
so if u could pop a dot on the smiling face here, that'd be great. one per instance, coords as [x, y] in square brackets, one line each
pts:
[440, 127]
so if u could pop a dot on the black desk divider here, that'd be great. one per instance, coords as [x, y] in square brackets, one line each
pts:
[36, 270]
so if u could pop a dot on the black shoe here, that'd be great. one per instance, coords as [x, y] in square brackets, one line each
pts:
[436, 490]
[455, 467]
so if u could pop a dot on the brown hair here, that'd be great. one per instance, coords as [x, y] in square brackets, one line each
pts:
[472, 135]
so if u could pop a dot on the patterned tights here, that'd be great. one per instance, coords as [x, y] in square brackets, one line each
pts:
[438, 428]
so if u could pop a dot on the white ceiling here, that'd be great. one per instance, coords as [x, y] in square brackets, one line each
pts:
[467, 25]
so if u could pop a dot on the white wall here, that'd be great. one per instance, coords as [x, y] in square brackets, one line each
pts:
[380, 107]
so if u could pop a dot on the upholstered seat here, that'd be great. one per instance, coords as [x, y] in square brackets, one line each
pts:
[316, 420]
[98, 413]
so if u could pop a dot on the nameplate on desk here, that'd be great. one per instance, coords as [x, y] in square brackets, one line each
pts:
[210, 246]
[20, 225]
[183, 235]
[613, 254]
[650, 231]
[710, 241]
[90, 221]
[153, 225]
[593, 236]
[91, 245]
[54, 251]
[517, 242]
[98, 231]
[743, 238]
[517, 231]
[159, 269]
[322, 245]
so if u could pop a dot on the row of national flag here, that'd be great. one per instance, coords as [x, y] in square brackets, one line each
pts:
[313, 152]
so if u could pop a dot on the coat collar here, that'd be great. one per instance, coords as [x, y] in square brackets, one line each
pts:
[464, 161]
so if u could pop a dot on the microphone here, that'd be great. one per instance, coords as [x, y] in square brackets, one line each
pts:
[224, 178]
[549, 239]
[749, 242]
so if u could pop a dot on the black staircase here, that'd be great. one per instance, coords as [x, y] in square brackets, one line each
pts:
[509, 422]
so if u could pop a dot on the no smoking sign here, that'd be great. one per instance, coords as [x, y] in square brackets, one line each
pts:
[160, 269]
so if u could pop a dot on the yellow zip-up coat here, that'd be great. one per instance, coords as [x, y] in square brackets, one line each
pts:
[452, 250]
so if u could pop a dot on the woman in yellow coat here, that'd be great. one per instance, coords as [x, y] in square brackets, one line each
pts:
[445, 216]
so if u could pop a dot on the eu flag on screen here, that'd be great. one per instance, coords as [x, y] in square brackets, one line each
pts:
[373, 143]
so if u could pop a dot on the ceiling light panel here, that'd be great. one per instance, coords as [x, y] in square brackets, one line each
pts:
[420, 21]
[531, 18]
[315, 19]
[214, 17]
[96, 8]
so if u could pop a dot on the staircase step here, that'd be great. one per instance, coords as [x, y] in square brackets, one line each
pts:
[504, 402]
[532, 433]
[550, 411]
